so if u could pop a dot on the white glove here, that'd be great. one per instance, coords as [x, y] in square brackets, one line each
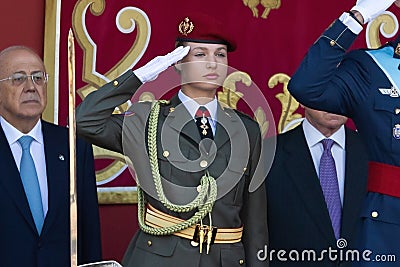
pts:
[158, 64]
[370, 9]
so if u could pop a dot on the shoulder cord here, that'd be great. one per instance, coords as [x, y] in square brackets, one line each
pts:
[204, 201]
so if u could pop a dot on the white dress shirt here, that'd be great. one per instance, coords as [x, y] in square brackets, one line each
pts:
[314, 138]
[192, 106]
[37, 152]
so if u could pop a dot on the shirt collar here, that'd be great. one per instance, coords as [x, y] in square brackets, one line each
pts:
[313, 136]
[192, 106]
[12, 134]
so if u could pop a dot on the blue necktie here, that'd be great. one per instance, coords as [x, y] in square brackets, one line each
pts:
[330, 186]
[30, 182]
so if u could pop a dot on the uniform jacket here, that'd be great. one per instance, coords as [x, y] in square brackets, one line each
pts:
[350, 88]
[236, 208]
[297, 214]
[20, 244]
[350, 84]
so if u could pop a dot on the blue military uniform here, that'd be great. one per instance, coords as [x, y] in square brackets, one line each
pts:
[363, 85]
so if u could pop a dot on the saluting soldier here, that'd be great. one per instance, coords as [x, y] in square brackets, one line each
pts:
[193, 159]
[364, 85]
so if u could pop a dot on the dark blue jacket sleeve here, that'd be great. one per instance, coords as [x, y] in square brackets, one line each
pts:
[328, 78]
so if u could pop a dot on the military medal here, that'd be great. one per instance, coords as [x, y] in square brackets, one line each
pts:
[201, 114]
[396, 131]
[204, 125]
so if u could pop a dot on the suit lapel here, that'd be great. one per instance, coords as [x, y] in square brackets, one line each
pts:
[56, 153]
[11, 180]
[302, 172]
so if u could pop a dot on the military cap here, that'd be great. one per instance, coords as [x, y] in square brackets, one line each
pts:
[202, 28]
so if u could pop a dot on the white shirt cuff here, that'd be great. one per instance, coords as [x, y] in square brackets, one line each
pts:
[351, 23]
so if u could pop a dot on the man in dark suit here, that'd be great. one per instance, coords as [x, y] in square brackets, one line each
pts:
[298, 214]
[364, 85]
[175, 160]
[35, 227]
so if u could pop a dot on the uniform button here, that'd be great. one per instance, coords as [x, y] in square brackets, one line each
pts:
[203, 163]
[374, 214]
[166, 153]
[397, 111]
[241, 262]
[332, 43]
[198, 188]
[194, 244]
[149, 243]
[115, 83]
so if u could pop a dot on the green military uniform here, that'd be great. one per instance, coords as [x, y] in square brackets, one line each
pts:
[97, 124]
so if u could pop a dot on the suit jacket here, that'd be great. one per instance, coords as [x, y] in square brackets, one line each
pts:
[236, 156]
[297, 214]
[20, 244]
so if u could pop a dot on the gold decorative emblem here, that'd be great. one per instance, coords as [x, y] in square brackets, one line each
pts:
[186, 26]
[397, 50]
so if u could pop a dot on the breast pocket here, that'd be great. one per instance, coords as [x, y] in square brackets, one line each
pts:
[235, 176]
[176, 166]
[388, 109]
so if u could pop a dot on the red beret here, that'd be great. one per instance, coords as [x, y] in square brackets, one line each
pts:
[201, 28]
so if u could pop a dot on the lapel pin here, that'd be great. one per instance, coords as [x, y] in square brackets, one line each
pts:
[397, 50]
[61, 157]
[171, 109]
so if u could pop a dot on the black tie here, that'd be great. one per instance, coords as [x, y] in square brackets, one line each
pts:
[203, 125]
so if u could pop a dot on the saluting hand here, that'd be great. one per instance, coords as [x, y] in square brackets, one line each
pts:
[158, 64]
[370, 9]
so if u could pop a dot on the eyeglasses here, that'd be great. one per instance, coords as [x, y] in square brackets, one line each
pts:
[18, 78]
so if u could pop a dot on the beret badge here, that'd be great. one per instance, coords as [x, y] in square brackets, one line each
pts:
[186, 26]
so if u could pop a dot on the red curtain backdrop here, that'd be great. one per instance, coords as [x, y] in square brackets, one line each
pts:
[266, 47]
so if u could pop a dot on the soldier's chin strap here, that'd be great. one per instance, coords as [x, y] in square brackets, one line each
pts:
[204, 201]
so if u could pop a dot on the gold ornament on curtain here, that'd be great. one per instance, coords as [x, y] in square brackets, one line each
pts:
[385, 24]
[95, 79]
[267, 4]
[289, 104]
